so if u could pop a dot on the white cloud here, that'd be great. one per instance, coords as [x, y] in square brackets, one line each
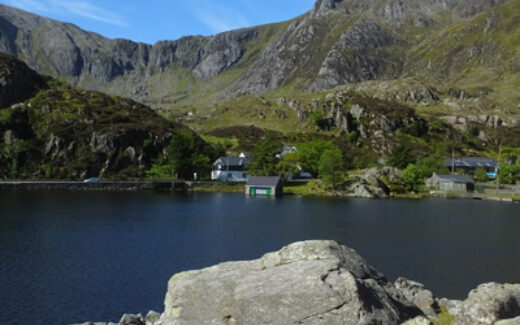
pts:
[87, 10]
[29, 5]
[218, 18]
[64, 8]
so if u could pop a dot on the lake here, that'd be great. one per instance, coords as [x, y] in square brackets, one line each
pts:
[70, 257]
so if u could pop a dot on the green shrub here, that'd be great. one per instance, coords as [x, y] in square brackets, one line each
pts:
[481, 175]
[412, 176]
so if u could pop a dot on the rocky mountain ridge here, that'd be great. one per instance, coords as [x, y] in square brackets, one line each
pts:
[337, 42]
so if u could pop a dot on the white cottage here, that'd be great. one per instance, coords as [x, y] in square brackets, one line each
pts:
[230, 169]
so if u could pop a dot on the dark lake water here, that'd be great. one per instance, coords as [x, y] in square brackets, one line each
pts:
[72, 257]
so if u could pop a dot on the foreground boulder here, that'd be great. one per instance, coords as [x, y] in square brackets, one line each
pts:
[319, 282]
[313, 282]
[487, 304]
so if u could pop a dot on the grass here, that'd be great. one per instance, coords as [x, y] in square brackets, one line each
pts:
[444, 317]
[251, 110]
[299, 189]
[228, 143]
[219, 187]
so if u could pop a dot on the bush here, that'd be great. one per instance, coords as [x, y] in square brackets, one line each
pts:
[412, 176]
[317, 117]
[481, 175]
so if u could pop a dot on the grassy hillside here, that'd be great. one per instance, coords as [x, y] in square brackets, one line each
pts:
[63, 132]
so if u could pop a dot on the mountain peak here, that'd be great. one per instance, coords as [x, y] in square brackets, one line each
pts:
[323, 6]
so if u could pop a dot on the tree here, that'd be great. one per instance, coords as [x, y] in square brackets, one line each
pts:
[402, 156]
[412, 176]
[430, 165]
[180, 152]
[264, 158]
[309, 154]
[508, 173]
[200, 164]
[288, 165]
[186, 154]
[331, 167]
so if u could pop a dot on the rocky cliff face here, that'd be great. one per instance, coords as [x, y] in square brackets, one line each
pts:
[319, 282]
[17, 81]
[337, 42]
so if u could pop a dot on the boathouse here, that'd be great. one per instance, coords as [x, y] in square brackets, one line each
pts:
[451, 183]
[264, 186]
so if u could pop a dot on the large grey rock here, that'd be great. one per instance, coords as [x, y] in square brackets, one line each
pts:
[130, 319]
[152, 317]
[486, 304]
[512, 321]
[313, 282]
[418, 294]
[419, 320]
[369, 184]
[360, 189]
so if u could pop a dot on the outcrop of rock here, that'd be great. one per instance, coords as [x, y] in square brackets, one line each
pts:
[418, 294]
[487, 304]
[319, 282]
[315, 282]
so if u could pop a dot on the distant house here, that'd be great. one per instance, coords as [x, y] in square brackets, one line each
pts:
[451, 183]
[229, 169]
[470, 164]
[264, 186]
[287, 149]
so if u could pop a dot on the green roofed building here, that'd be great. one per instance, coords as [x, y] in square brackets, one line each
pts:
[264, 186]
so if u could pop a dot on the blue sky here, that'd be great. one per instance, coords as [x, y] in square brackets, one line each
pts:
[153, 20]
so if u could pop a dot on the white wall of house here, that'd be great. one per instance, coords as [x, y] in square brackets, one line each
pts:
[229, 176]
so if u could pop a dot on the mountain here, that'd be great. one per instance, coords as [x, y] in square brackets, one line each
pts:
[55, 131]
[337, 42]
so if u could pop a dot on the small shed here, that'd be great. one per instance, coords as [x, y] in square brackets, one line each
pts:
[451, 183]
[264, 186]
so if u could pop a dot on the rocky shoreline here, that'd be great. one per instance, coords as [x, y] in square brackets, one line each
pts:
[319, 282]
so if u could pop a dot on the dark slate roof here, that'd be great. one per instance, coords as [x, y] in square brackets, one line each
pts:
[231, 161]
[263, 181]
[472, 162]
[456, 179]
